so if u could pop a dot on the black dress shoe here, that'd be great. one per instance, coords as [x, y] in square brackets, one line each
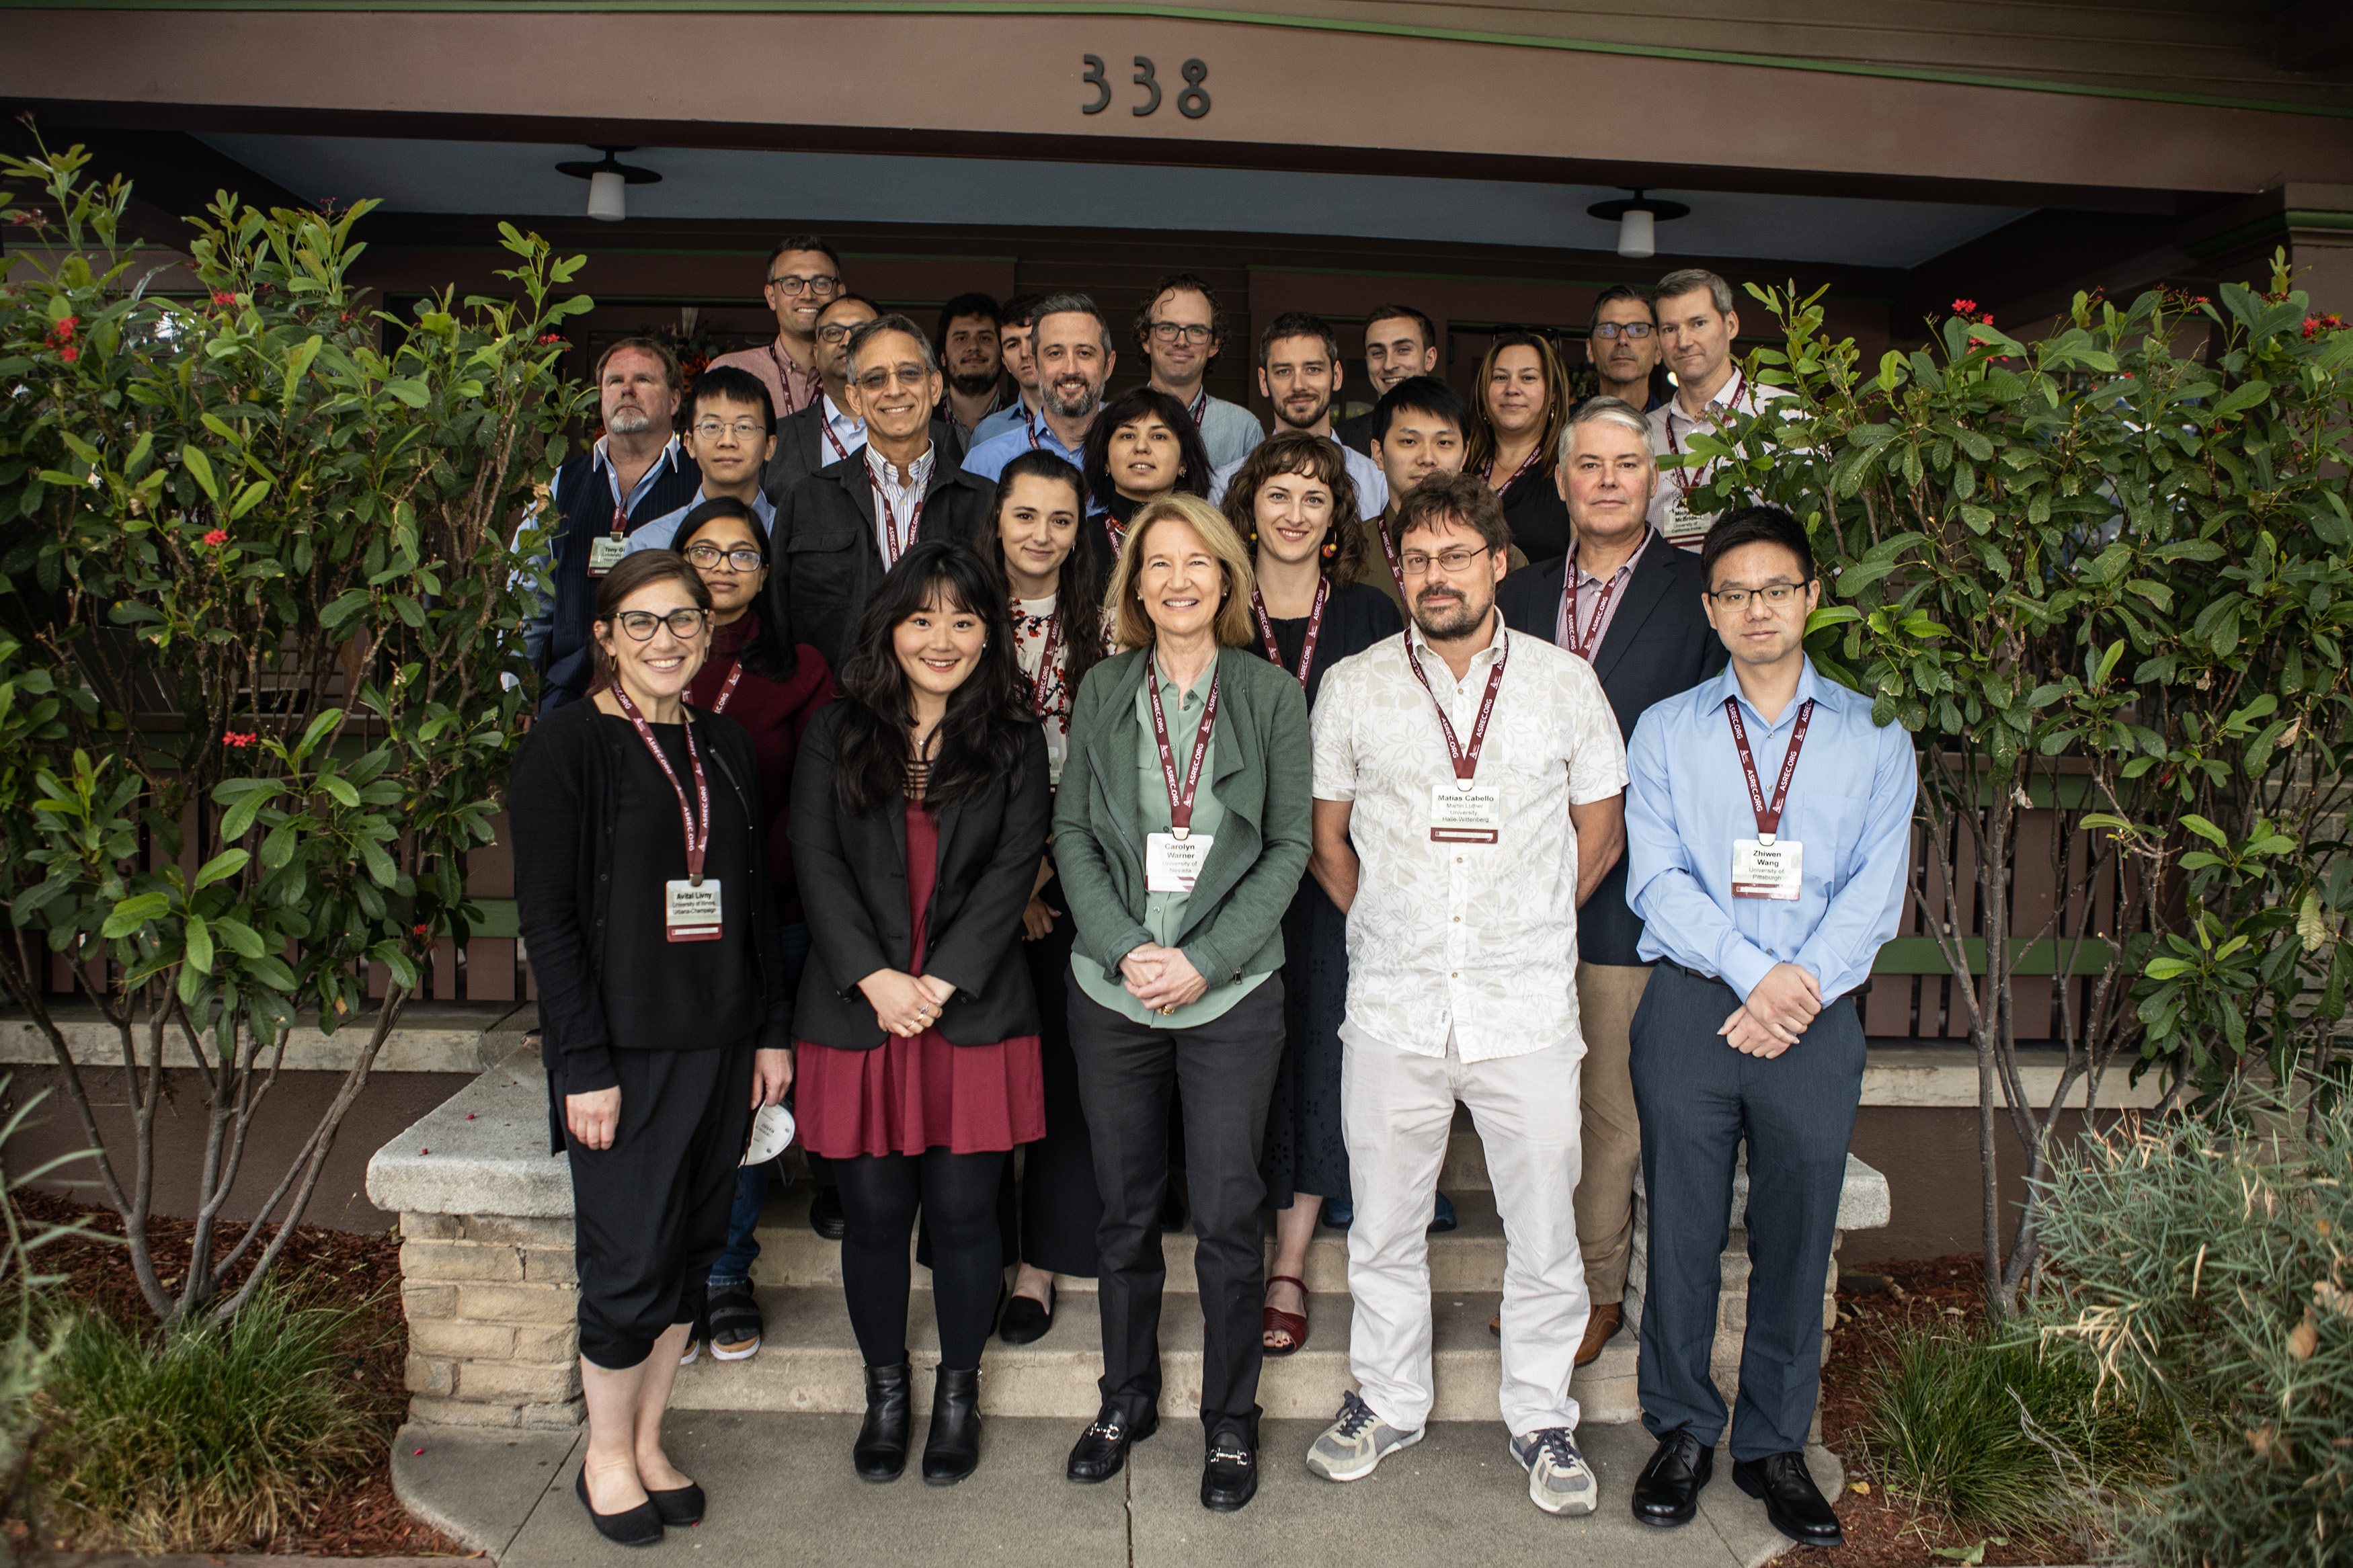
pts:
[639, 1526]
[681, 1505]
[1230, 1475]
[1792, 1501]
[952, 1451]
[825, 1214]
[1025, 1321]
[1667, 1491]
[1102, 1449]
[880, 1452]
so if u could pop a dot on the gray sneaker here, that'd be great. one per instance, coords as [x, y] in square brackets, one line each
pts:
[1356, 1443]
[1559, 1480]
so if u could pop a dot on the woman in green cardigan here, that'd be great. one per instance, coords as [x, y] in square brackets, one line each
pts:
[1181, 831]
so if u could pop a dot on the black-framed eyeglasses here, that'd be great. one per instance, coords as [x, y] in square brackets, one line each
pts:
[834, 332]
[710, 555]
[745, 430]
[1634, 331]
[793, 283]
[1774, 595]
[1417, 564]
[638, 625]
[1170, 331]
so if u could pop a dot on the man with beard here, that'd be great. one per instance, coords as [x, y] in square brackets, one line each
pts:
[1299, 372]
[1180, 330]
[970, 358]
[826, 432]
[1070, 344]
[1470, 791]
[1621, 344]
[1696, 326]
[1015, 320]
[803, 275]
[1400, 343]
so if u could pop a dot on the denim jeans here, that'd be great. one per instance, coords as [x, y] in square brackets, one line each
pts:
[735, 1264]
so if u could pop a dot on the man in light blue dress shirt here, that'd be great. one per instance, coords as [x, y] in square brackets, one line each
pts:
[1070, 345]
[1768, 826]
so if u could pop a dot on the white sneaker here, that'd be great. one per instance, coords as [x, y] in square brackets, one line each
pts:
[1559, 1480]
[1354, 1444]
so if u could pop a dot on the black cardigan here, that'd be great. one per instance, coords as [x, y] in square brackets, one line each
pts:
[562, 807]
[825, 543]
[853, 880]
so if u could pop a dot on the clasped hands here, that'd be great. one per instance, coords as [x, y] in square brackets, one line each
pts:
[904, 1004]
[1161, 978]
[1777, 1011]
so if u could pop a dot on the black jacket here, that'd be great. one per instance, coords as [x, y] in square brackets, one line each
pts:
[825, 545]
[562, 808]
[1659, 644]
[1356, 433]
[802, 449]
[1539, 517]
[853, 880]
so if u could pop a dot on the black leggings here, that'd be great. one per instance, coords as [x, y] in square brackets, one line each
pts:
[957, 1194]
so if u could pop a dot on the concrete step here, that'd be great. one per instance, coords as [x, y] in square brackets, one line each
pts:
[809, 1362]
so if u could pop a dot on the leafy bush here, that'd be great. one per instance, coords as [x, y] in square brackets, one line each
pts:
[29, 1341]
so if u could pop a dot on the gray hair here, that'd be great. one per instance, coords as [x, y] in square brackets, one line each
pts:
[866, 331]
[1605, 411]
[1078, 305]
[1695, 278]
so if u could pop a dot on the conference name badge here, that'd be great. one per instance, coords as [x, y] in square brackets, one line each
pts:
[1767, 867]
[1172, 865]
[691, 911]
[1685, 526]
[606, 554]
[1459, 815]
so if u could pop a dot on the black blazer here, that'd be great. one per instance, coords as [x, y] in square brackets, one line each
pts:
[825, 542]
[802, 449]
[1659, 644]
[853, 881]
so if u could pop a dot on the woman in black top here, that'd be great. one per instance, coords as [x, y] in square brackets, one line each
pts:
[1518, 408]
[920, 808]
[1142, 446]
[1289, 499]
[665, 1021]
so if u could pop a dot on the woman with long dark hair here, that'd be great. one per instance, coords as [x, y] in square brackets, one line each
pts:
[920, 808]
[1518, 406]
[1143, 446]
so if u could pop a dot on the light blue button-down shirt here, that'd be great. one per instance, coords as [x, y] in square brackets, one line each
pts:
[661, 531]
[988, 458]
[1015, 415]
[1850, 808]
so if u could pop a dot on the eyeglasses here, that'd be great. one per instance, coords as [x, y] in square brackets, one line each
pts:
[685, 625]
[1774, 595]
[1610, 332]
[905, 375]
[709, 555]
[742, 429]
[792, 283]
[1417, 563]
[1170, 331]
[834, 332]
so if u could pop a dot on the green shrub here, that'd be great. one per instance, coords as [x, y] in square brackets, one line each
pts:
[215, 1439]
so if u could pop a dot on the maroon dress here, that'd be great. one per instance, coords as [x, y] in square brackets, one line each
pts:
[909, 1095]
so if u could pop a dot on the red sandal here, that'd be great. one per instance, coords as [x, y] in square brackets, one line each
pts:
[1276, 1321]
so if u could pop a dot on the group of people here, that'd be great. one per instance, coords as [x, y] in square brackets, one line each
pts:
[993, 768]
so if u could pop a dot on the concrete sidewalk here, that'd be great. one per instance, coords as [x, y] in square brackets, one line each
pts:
[782, 1491]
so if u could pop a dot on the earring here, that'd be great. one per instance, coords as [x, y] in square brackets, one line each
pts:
[1331, 548]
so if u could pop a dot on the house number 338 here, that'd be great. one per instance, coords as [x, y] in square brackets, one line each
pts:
[1192, 101]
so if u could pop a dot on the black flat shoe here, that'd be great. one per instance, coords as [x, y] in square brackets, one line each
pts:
[1229, 1476]
[1792, 1501]
[639, 1526]
[952, 1449]
[1025, 1321]
[881, 1451]
[826, 1217]
[1667, 1491]
[1102, 1449]
[679, 1506]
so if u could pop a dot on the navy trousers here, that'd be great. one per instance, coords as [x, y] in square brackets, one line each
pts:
[1698, 1099]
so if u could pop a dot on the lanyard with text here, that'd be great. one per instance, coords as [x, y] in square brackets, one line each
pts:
[1043, 681]
[690, 909]
[784, 368]
[1584, 646]
[1200, 407]
[1767, 865]
[895, 545]
[606, 554]
[1172, 860]
[1390, 549]
[1314, 630]
[1487, 469]
[728, 690]
[824, 422]
[1467, 813]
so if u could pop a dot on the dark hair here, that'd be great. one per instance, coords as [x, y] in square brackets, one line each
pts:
[1193, 458]
[771, 655]
[1463, 497]
[1297, 324]
[792, 242]
[635, 572]
[1421, 394]
[735, 384]
[1404, 314]
[1069, 304]
[1755, 525]
[1079, 590]
[983, 734]
[1315, 458]
[1019, 311]
[1185, 282]
[847, 298]
[968, 304]
[1478, 440]
[1613, 294]
[652, 346]
[866, 331]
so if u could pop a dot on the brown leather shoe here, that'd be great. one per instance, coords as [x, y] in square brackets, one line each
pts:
[1598, 1330]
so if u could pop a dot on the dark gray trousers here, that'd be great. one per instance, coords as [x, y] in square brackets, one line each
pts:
[1698, 1099]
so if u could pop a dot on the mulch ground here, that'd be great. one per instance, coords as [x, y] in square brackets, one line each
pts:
[359, 1517]
[1902, 1300]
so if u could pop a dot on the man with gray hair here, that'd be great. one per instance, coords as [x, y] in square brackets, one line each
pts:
[1070, 343]
[1696, 327]
[1630, 607]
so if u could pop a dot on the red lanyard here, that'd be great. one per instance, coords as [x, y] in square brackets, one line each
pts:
[894, 547]
[1389, 548]
[1181, 801]
[1314, 629]
[728, 690]
[695, 844]
[824, 422]
[1200, 407]
[1487, 469]
[1466, 762]
[1686, 477]
[1040, 683]
[784, 368]
[1584, 647]
[1768, 816]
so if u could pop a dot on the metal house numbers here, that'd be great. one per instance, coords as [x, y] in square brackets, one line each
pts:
[1192, 101]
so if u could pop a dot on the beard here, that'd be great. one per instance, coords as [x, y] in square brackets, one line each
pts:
[1314, 415]
[628, 420]
[1444, 625]
[1074, 405]
[973, 385]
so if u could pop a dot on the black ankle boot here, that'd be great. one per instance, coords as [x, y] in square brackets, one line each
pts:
[953, 1450]
[882, 1449]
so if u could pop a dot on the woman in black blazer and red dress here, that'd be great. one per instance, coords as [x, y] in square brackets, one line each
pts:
[919, 810]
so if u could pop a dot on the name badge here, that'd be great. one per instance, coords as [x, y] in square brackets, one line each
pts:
[606, 554]
[1762, 870]
[1473, 815]
[1172, 865]
[1685, 528]
[691, 913]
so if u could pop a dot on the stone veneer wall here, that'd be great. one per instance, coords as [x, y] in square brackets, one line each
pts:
[492, 1338]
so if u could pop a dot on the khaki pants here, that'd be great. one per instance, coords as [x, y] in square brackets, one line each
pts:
[1607, 995]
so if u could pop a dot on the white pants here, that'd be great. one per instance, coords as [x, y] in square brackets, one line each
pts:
[1396, 1109]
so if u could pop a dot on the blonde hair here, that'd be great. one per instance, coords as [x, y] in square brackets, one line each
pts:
[1123, 611]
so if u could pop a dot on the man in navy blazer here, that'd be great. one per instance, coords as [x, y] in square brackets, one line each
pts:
[1637, 616]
